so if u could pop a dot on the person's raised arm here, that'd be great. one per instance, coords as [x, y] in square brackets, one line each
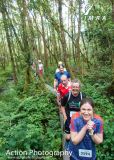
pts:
[58, 98]
[63, 105]
[55, 85]
[77, 137]
[64, 112]
[98, 136]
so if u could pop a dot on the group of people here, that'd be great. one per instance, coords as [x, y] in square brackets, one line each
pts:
[37, 68]
[83, 128]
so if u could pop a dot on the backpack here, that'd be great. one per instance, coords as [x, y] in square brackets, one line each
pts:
[69, 95]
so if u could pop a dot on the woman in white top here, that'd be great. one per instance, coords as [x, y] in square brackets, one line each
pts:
[40, 68]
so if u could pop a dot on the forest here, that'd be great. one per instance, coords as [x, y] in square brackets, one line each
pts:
[78, 32]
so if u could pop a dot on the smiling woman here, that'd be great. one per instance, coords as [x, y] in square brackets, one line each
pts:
[86, 131]
[86, 109]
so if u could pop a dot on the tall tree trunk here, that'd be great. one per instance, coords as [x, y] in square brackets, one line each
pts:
[63, 41]
[39, 48]
[112, 1]
[26, 49]
[73, 29]
[85, 56]
[78, 34]
[55, 48]
[44, 41]
[111, 87]
[4, 54]
[7, 30]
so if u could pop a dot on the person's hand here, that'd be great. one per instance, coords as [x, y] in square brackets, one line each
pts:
[59, 103]
[55, 90]
[58, 100]
[90, 126]
[65, 118]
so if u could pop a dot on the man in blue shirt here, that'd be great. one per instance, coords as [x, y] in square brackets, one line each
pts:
[57, 79]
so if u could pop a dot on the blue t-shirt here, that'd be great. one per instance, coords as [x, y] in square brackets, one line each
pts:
[85, 150]
[59, 74]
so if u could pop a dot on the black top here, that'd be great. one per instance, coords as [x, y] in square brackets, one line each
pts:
[72, 103]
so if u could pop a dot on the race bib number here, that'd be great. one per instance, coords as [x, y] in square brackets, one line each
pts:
[71, 113]
[85, 153]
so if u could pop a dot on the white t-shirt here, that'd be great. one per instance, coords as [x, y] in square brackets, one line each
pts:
[40, 66]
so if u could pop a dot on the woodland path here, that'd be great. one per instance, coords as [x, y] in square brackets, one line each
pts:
[65, 157]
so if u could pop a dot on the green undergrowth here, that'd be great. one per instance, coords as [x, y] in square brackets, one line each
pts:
[29, 122]
[95, 85]
[4, 76]
[49, 74]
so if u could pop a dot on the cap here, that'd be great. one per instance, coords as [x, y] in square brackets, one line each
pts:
[39, 61]
[60, 63]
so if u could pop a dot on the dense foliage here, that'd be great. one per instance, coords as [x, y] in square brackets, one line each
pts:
[28, 122]
[31, 121]
[95, 86]
[81, 34]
